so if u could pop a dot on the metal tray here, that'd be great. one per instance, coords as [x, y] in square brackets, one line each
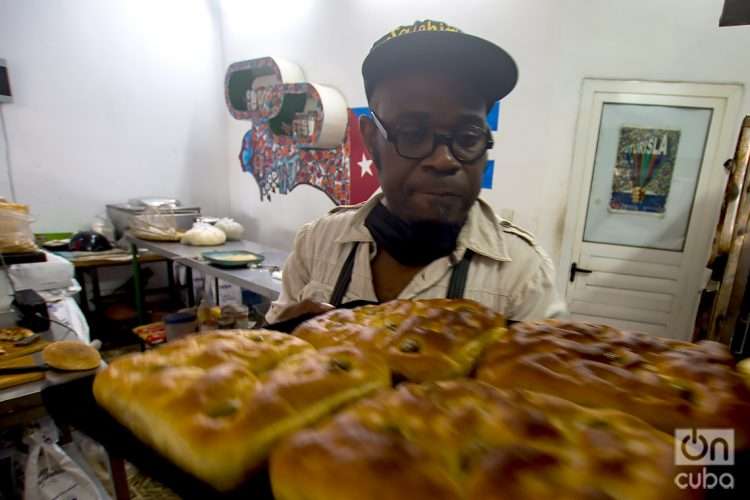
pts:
[72, 404]
[231, 259]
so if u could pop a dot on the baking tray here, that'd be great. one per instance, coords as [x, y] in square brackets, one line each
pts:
[73, 404]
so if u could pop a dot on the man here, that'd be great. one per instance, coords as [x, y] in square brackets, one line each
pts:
[429, 88]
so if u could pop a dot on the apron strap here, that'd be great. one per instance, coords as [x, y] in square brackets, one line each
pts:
[345, 277]
[457, 284]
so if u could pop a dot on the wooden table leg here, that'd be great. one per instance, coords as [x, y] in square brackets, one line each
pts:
[83, 296]
[96, 289]
[96, 293]
[119, 478]
[190, 291]
[139, 305]
[173, 289]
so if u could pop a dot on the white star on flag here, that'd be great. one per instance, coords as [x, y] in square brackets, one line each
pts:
[364, 166]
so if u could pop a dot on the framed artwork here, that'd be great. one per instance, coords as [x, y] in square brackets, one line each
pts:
[643, 169]
[646, 170]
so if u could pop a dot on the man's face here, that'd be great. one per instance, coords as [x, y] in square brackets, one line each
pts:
[437, 188]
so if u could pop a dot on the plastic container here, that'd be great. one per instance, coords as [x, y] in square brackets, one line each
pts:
[15, 229]
[209, 326]
[152, 333]
[238, 312]
[226, 323]
[204, 312]
[179, 325]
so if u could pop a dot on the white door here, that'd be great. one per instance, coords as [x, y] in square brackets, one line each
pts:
[644, 199]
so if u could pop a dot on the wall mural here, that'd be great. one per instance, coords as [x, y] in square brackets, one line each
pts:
[303, 133]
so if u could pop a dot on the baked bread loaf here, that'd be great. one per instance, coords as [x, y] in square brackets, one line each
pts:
[463, 439]
[14, 333]
[215, 403]
[668, 383]
[422, 340]
[743, 367]
[71, 355]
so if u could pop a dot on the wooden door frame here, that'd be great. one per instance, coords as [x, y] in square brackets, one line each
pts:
[734, 244]
[724, 99]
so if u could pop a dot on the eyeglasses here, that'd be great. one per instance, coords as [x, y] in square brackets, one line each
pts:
[467, 143]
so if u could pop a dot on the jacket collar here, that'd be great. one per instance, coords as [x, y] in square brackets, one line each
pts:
[482, 232]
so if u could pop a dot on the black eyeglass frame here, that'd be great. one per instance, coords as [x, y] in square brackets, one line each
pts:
[437, 140]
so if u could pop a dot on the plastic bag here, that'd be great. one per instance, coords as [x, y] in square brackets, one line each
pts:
[202, 234]
[94, 460]
[15, 229]
[51, 473]
[53, 274]
[156, 223]
[231, 228]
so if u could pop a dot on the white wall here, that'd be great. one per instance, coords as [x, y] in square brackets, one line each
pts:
[556, 43]
[124, 98]
[671, 40]
[113, 99]
[330, 38]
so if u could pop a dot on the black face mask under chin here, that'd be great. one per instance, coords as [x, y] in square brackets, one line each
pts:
[411, 243]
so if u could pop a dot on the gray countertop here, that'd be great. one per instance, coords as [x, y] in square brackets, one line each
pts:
[257, 280]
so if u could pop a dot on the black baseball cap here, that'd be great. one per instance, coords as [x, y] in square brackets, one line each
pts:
[436, 45]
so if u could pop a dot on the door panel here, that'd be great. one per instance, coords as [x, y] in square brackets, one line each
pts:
[618, 311]
[616, 265]
[644, 199]
[635, 254]
[630, 282]
[635, 299]
[626, 325]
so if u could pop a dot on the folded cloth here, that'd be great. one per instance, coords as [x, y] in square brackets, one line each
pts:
[58, 294]
[55, 273]
[68, 322]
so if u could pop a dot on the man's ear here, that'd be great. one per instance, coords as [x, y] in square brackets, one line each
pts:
[369, 133]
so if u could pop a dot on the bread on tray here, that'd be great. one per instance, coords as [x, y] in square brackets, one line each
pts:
[463, 439]
[215, 403]
[422, 340]
[668, 383]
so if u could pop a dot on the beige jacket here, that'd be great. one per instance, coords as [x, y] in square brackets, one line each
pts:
[510, 273]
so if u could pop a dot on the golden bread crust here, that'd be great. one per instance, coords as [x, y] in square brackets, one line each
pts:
[422, 340]
[463, 439]
[215, 403]
[71, 355]
[14, 333]
[743, 367]
[668, 383]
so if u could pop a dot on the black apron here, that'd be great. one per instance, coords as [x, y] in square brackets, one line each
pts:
[456, 286]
